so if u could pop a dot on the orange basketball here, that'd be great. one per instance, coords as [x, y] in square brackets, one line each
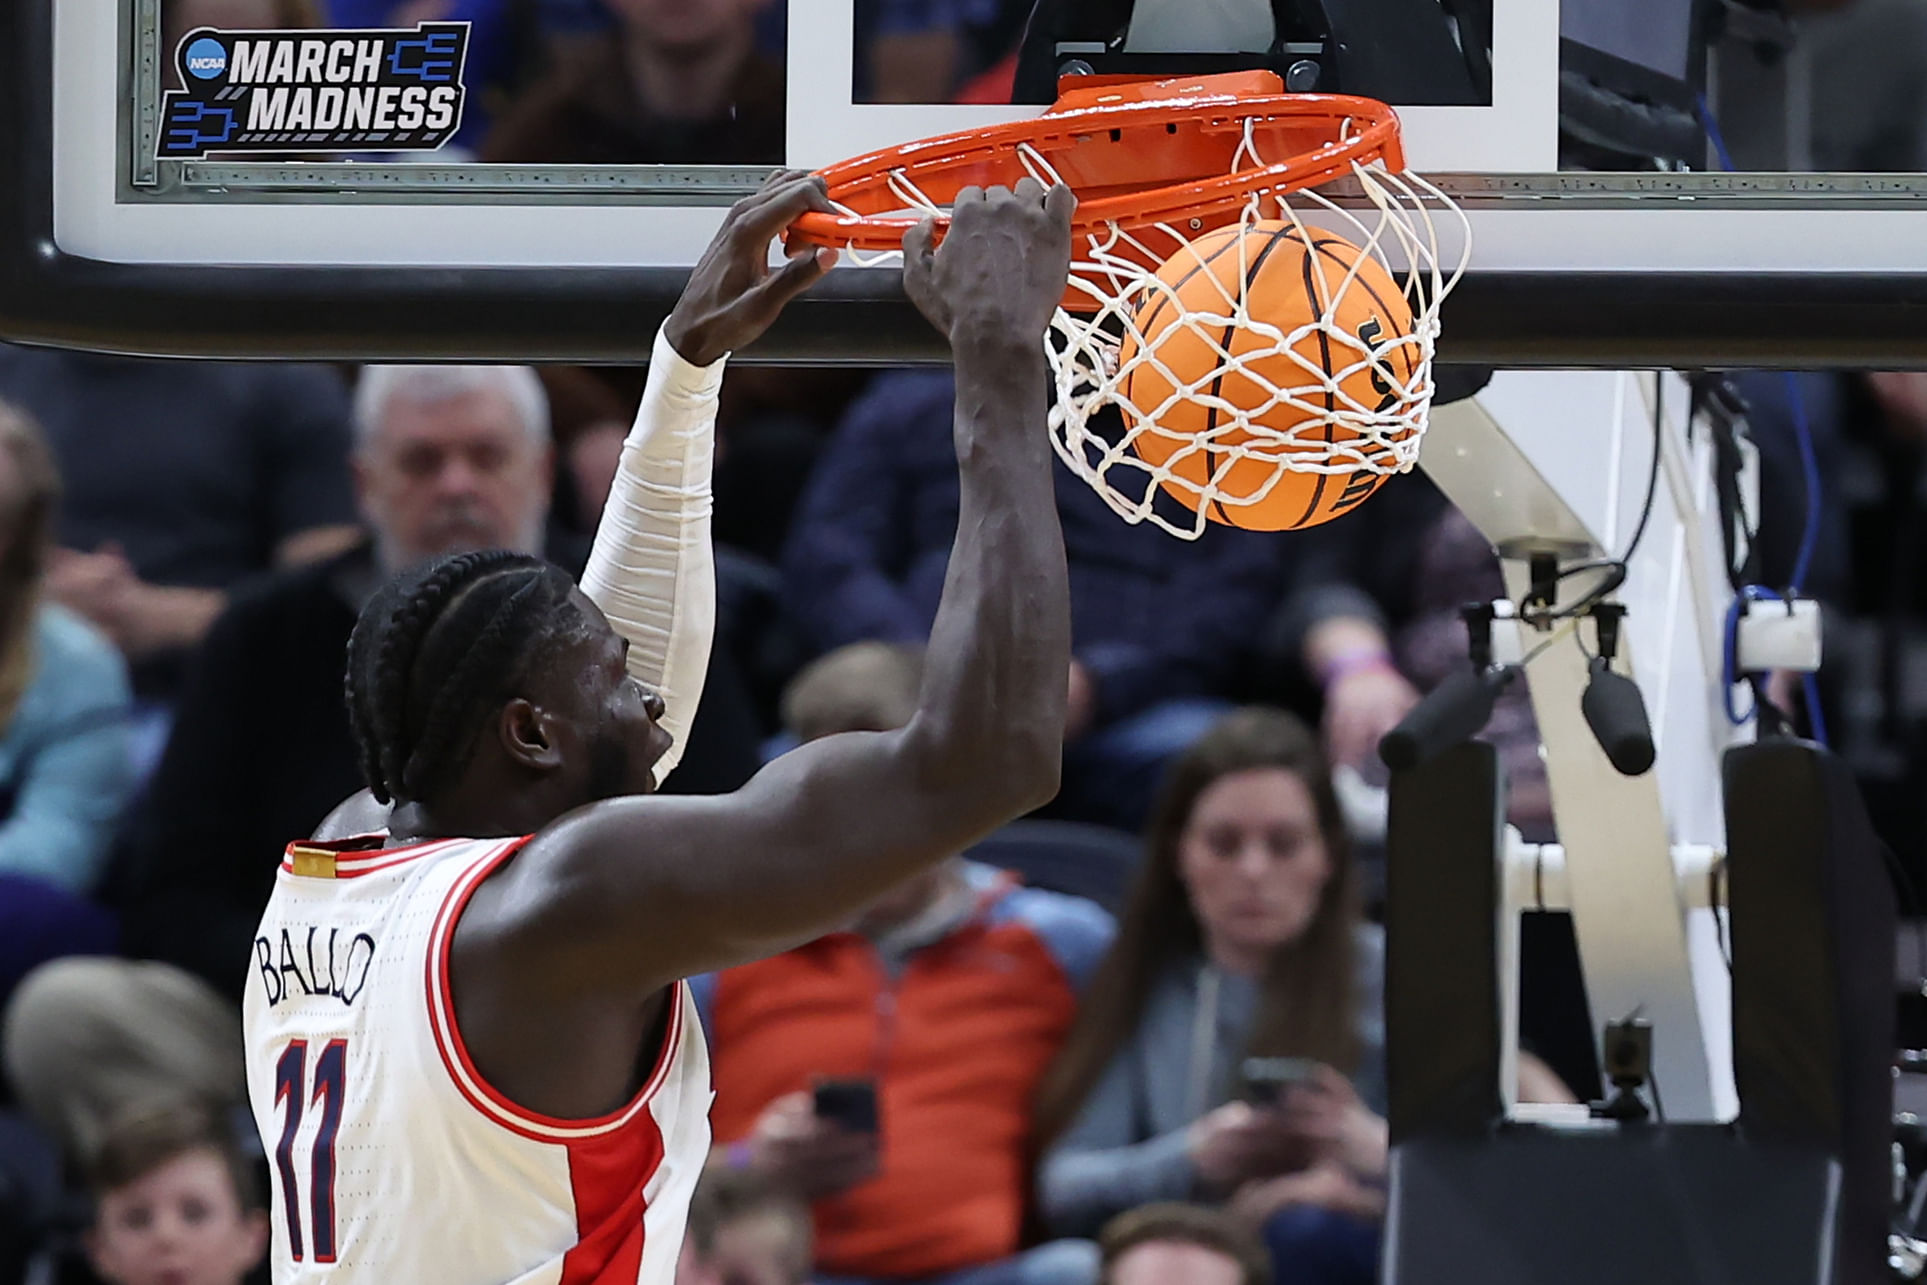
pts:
[1292, 276]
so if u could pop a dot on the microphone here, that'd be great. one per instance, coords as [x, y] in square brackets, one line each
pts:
[1452, 713]
[1616, 712]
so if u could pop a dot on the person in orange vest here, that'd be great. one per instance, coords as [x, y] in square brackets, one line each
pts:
[885, 1073]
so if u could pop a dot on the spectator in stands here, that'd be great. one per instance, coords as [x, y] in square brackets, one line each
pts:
[176, 1202]
[949, 997]
[494, 54]
[178, 17]
[1353, 587]
[1241, 938]
[446, 459]
[1454, 564]
[1382, 599]
[87, 1040]
[181, 478]
[1173, 1244]
[676, 82]
[671, 82]
[1160, 625]
[65, 769]
[932, 51]
[865, 687]
[1414, 560]
[742, 1231]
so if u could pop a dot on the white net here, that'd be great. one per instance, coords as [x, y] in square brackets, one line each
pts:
[1183, 383]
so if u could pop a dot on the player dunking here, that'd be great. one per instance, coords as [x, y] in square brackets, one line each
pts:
[471, 1055]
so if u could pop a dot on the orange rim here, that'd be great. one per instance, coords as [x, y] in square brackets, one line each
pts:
[1137, 154]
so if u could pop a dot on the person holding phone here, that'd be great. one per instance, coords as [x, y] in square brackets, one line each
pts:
[885, 1073]
[1231, 1048]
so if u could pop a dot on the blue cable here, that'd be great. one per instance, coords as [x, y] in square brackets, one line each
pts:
[1816, 721]
[1712, 128]
[1809, 538]
[1730, 652]
[1810, 469]
[1810, 534]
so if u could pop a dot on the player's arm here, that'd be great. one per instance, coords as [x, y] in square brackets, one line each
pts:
[652, 570]
[651, 889]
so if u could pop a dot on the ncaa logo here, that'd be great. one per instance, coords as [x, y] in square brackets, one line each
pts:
[207, 59]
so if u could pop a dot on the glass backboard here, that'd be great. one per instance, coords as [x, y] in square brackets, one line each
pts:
[171, 190]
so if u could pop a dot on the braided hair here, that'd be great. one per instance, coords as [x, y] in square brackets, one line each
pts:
[434, 654]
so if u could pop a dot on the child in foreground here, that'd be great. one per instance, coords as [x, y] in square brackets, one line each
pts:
[176, 1203]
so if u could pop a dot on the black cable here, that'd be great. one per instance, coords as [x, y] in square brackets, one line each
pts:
[1616, 568]
[1725, 412]
[1652, 470]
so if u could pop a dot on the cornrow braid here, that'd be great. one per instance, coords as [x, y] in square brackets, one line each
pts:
[433, 650]
[397, 646]
[481, 645]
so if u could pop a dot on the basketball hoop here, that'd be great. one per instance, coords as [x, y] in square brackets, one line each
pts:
[1235, 396]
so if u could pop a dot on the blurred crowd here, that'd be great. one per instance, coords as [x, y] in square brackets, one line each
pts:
[1135, 1038]
[974, 1079]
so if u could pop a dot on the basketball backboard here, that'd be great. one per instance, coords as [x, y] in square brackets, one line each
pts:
[126, 230]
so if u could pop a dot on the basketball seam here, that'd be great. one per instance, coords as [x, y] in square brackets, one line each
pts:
[1211, 417]
[1411, 364]
[1325, 360]
[1177, 288]
[1311, 246]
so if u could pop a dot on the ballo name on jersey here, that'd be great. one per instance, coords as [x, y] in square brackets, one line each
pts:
[330, 963]
[333, 84]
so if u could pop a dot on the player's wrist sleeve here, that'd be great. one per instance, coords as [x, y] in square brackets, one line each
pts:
[652, 570]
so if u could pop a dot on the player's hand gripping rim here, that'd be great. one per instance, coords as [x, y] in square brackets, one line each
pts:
[999, 274]
[733, 295]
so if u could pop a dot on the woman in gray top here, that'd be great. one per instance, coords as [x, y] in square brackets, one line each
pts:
[1242, 940]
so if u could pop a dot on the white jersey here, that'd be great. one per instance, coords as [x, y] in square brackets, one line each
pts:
[393, 1161]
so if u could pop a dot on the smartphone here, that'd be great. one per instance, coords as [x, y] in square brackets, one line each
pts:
[850, 1103]
[1268, 1079]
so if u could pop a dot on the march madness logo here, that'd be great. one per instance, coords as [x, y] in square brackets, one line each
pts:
[316, 91]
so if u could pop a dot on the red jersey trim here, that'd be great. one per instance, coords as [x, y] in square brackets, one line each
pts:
[483, 1096]
[351, 863]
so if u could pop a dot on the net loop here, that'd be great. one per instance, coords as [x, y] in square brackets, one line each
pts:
[1110, 451]
[1294, 404]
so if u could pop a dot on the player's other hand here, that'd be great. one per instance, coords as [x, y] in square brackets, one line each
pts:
[733, 295]
[809, 1157]
[999, 275]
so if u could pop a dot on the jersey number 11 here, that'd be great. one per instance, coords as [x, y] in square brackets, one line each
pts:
[292, 1095]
